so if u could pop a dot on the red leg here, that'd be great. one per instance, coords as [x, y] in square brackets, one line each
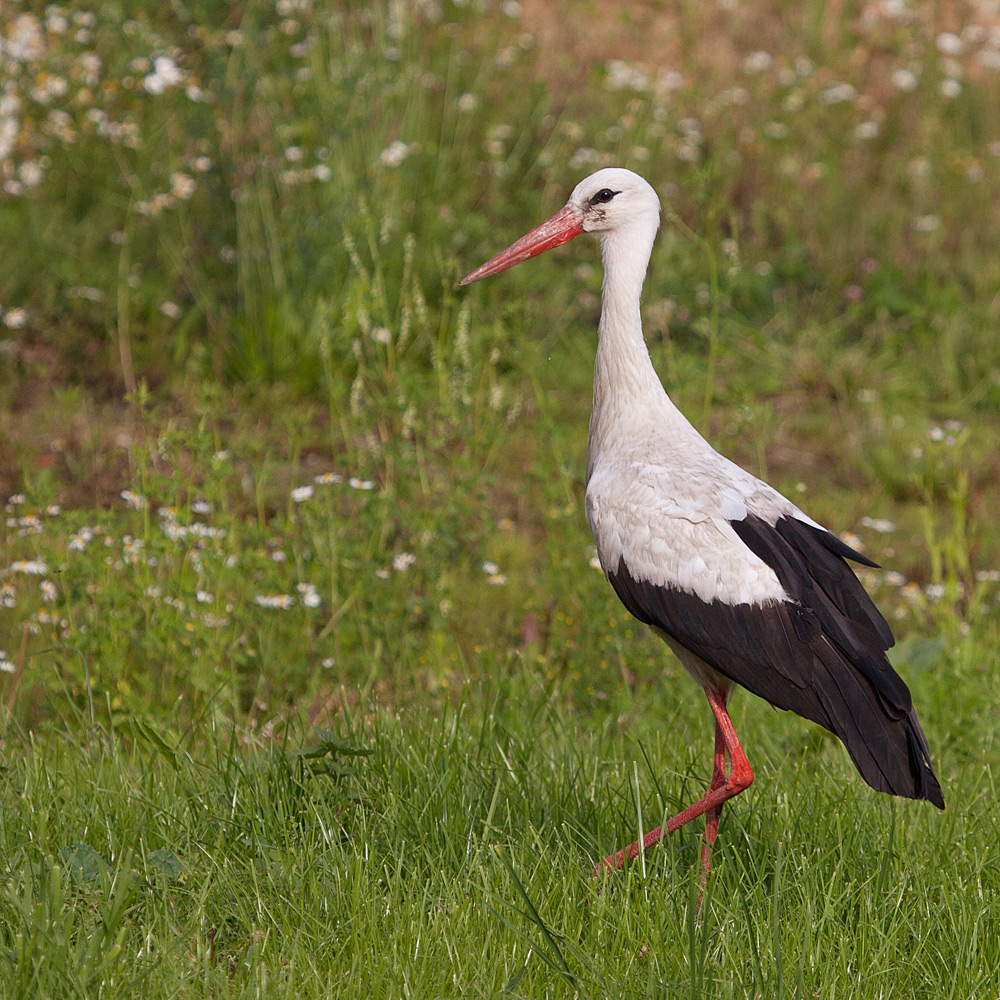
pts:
[713, 815]
[722, 788]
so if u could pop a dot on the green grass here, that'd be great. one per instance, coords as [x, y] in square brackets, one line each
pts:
[309, 687]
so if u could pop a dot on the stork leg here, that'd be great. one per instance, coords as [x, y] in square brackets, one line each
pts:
[722, 788]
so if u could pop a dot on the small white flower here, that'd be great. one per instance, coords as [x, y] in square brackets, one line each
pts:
[948, 43]
[490, 568]
[322, 172]
[904, 80]
[879, 524]
[15, 319]
[328, 479]
[360, 484]
[382, 574]
[6, 666]
[182, 185]
[950, 88]
[201, 507]
[935, 591]
[308, 595]
[32, 567]
[16, 498]
[497, 580]
[166, 73]
[133, 500]
[394, 154]
[170, 309]
[757, 62]
[281, 602]
[403, 561]
[468, 102]
[53, 510]
[204, 597]
[381, 335]
[48, 589]
[302, 493]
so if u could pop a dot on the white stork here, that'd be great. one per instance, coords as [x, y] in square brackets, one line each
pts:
[742, 585]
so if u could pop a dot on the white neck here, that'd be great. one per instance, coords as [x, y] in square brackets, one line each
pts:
[629, 399]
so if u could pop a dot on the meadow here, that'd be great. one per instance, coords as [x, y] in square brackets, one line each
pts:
[311, 685]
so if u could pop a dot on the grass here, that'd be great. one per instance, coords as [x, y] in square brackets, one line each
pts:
[309, 685]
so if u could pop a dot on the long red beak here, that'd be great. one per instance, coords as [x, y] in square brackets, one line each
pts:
[561, 228]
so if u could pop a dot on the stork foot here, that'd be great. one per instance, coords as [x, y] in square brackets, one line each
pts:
[722, 788]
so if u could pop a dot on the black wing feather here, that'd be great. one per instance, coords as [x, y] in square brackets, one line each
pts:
[820, 654]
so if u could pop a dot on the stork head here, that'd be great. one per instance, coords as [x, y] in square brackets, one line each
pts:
[611, 200]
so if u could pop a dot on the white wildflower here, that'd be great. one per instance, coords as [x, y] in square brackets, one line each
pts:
[133, 500]
[302, 493]
[32, 567]
[360, 484]
[204, 597]
[948, 43]
[879, 524]
[394, 154]
[48, 589]
[490, 568]
[281, 602]
[170, 309]
[182, 185]
[308, 596]
[838, 93]
[201, 507]
[403, 561]
[904, 80]
[949, 88]
[757, 62]
[6, 666]
[166, 73]
[328, 479]
[15, 318]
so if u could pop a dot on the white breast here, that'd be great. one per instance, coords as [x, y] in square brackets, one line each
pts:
[673, 530]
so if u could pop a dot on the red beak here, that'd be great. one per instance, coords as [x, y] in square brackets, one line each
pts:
[561, 228]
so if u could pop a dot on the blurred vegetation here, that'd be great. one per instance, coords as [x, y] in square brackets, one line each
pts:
[266, 466]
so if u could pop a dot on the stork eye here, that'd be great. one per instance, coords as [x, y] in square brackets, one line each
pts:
[603, 196]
